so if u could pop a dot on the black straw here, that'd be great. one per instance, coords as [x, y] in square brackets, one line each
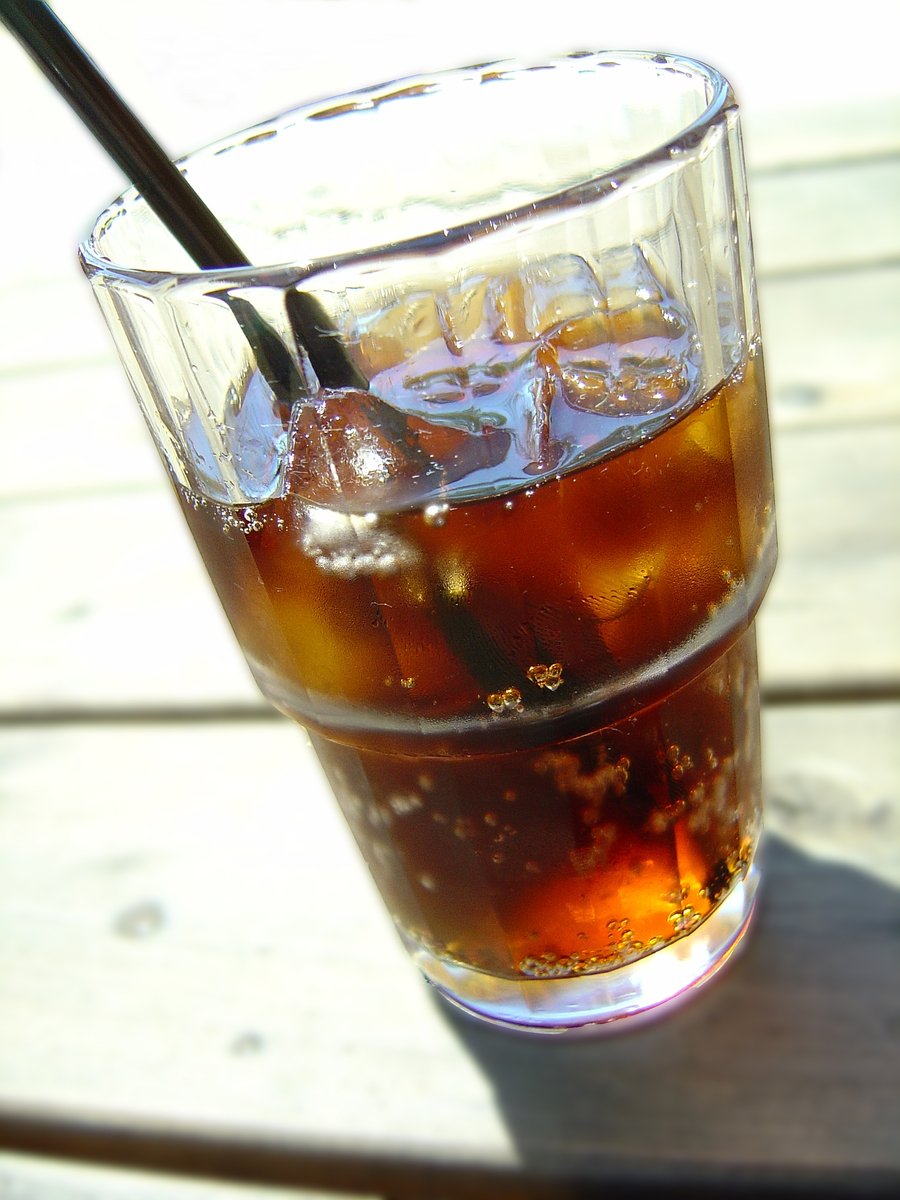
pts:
[167, 192]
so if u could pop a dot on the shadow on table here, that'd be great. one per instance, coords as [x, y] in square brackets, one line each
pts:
[784, 1074]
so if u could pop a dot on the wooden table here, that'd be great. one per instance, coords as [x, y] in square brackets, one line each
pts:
[195, 974]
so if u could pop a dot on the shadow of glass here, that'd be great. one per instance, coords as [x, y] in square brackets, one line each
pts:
[784, 1073]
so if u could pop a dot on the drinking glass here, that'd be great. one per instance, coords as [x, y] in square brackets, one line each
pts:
[476, 454]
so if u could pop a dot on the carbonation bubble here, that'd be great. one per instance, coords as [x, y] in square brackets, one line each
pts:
[435, 514]
[509, 700]
[546, 677]
[404, 803]
[684, 919]
[464, 828]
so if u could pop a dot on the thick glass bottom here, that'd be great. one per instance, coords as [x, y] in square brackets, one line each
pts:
[648, 986]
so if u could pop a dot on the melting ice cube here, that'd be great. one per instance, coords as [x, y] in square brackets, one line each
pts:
[637, 354]
[256, 438]
[353, 451]
[496, 379]
[236, 455]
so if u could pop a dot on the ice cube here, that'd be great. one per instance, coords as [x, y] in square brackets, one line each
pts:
[638, 354]
[394, 330]
[255, 439]
[472, 359]
[351, 450]
[540, 450]
[496, 377]
[530, 302]
[235, 453]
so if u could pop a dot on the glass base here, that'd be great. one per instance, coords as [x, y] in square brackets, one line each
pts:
[589, 1003]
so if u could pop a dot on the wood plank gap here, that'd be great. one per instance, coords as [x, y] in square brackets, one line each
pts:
[817, 270]
[826, 162]
[163, 714]
[282, 1160]
[76, 493]
[15, 371]
[865, 691]
[777, 695]
[786, 425]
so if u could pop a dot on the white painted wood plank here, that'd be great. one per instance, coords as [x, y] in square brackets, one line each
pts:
[24, 1177]
[831, 348]
[833, 783]
[196, 943]
[50, 323]
[74, 431]
[831, 615]
[106, 602]
[826, 217]
[195, 934]
[846, 125]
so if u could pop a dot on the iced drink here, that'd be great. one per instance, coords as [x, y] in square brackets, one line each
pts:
[536, 703]
[508, 583]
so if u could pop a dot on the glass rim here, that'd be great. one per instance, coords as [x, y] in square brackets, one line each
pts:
[665, 153]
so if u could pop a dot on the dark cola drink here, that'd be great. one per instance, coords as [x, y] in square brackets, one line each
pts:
[521, 636]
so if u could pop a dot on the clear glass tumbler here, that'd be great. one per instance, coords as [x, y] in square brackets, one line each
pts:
[477, 458]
